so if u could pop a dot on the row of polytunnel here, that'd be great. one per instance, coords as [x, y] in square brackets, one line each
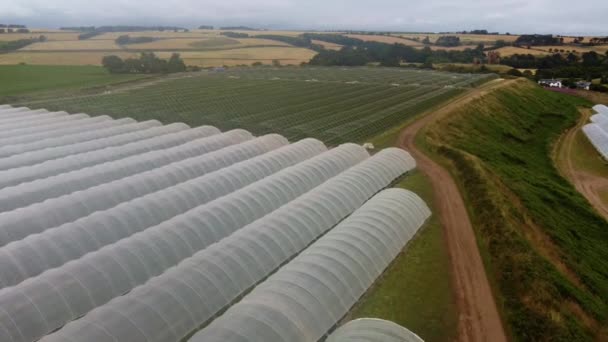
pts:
[597, 130]
[118, 230]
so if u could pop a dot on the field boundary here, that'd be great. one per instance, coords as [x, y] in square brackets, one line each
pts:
[479, 318]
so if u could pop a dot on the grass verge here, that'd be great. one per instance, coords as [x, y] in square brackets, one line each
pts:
[544, 245]
[415, 291]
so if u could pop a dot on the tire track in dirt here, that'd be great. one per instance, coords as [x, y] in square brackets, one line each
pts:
[479, 319]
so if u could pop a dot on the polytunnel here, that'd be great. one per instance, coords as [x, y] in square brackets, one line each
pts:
[68, 182]
[30, 116]
[117, 128]
[22, 128]
[599, 118]
[67, 129]
[36, 253]
[304, 299]
[36, 218]
[372, 330]
[600, 108]
[78, 156]
[201, 286]
[598, 138]
[34, 307]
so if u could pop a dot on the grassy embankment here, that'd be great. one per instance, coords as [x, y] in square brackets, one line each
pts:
[544, 247]
[20, 79]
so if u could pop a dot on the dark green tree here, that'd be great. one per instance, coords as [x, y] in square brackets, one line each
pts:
[113, 64]
[176, 64]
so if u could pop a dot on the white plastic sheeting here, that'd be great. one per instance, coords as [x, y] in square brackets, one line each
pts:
[600, 108]
[77, 156]
[48, 125]
[35, 218]
[33, 255]
[372, 330]
[198, 288]
[66, 130]
[598, 138]
[39, 190]
[30, 116]
[39, 305]
[114, 127]
[599, 118]
[303, 300]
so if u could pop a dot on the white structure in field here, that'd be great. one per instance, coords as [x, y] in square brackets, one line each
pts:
[553, 83]
[372, 330]
[138, 231]
[597, 130]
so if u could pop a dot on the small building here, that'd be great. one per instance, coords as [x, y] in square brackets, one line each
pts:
[553, 83]
[583, 85]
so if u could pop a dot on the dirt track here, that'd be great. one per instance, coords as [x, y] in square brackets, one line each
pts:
[478, 316]
[588, 184]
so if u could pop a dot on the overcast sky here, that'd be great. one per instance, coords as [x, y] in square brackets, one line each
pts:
[515, 16]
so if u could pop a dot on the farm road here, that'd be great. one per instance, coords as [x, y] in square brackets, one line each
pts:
[478, 315]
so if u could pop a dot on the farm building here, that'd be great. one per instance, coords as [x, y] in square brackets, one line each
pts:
[552, 83]
[583, 85]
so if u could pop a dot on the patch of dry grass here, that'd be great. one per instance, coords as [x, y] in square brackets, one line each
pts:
[384, 39]
[74, 45]
[48, 35]
[327, 45]
[286, 55]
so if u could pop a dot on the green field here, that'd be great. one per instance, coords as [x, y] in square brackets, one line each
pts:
[332, 104]
[19, 79]
[544, 245]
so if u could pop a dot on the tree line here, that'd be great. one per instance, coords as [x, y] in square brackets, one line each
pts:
[147, 63]
[360, 52]
[20, 43]
[126, 39]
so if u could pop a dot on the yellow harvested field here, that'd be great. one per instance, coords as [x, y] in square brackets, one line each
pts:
[511, 50]
[287, 55]
[73, 45]
[155, 34]
[213, 43]
[453, 48]
[59, 58]
[601, 49]
[49, 36]
[175, 43]
[384, 39]
[328, 46]
[465, 38]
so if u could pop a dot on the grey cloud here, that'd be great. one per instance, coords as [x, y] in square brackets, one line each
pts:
[516, 16]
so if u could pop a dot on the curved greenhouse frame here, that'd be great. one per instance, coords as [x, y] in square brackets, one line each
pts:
[48, 125]
[39, 190]
[303, 300]
[201, 286]
[36, 253]
[116, 128]
[66, 129]
[34, 308]
[36, 218]
[77, 156]
[598, 138]
[372, 330]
